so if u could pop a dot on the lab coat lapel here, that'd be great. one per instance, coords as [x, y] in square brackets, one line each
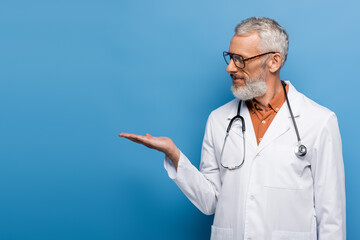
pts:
[279, 125]
[282, 121]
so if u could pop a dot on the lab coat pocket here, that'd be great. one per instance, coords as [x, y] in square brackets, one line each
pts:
[218, 233]
[284, 235]
[287, 171]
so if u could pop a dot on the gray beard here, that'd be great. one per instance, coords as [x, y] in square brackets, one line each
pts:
[254, 87]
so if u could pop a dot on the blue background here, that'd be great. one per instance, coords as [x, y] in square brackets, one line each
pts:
[73, 74]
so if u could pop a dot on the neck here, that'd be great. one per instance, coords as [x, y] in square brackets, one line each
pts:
[274, 86]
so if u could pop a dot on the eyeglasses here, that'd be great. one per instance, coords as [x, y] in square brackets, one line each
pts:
[238, 59]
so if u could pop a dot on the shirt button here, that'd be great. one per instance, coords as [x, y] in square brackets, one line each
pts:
[263, 122]
[277, 109]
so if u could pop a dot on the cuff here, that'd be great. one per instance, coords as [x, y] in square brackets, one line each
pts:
[170, 167]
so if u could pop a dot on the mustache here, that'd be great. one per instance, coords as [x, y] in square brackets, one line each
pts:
[235, 76]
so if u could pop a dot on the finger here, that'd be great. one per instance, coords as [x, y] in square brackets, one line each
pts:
[145, 143]
[126, 134]
[130, 135]
[138, 139]
[136, 136]
[133, 135]
[133, 138]
[146, 140]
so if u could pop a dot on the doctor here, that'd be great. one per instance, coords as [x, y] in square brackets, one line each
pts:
[276, 171]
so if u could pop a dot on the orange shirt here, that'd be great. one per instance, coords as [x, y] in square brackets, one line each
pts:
[261, 119]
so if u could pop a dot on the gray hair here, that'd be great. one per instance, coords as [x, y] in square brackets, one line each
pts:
[272, 36]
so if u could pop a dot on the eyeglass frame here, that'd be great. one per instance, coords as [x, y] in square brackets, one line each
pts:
[225, 53]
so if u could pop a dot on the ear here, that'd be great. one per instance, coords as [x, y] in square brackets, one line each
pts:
[274, 62]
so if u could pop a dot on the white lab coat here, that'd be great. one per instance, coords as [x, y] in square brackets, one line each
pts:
[275, 194]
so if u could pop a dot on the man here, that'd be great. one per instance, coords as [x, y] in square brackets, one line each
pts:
[254, 181]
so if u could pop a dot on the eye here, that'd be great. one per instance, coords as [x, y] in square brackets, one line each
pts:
[238, 58]
[239, 61]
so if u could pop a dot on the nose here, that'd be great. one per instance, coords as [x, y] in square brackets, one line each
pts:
[231, 68]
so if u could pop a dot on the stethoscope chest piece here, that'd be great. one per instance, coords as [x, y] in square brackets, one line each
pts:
[300, 150]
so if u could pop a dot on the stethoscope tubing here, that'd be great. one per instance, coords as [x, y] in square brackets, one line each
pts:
[238, 116]
[291, 113]
[300, 149]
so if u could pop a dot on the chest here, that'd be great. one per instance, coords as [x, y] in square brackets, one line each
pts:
[272, 163]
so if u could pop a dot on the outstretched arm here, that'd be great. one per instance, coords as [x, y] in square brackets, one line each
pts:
[201, 187]
[162, 144]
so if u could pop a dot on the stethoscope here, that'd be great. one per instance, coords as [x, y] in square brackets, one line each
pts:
[300, 149]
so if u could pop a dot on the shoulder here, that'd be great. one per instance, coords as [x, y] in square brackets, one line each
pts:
[315, 108]
[307, 107]
[312, 117]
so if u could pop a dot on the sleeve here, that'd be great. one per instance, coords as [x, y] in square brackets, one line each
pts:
[329, 183]
[200, 187]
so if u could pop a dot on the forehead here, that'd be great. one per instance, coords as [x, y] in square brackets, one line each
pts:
[245, 45]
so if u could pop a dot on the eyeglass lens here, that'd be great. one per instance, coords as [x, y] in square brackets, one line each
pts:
[238, 60]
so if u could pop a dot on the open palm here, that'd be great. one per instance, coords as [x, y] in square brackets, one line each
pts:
[162, 144]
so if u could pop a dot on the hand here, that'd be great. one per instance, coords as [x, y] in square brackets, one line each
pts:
[162, 144]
